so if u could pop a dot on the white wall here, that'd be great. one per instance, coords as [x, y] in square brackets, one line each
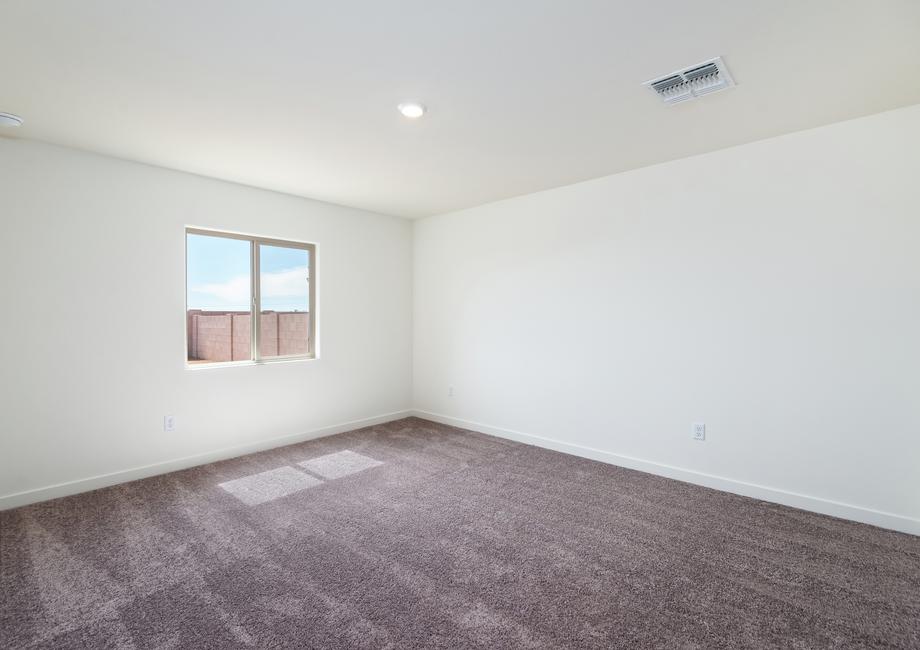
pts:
[86, 238]
[771, 290]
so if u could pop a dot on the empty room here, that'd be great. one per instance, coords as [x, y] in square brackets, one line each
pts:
[489, 325]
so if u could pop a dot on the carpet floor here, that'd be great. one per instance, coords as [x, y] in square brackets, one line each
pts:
[417, 535]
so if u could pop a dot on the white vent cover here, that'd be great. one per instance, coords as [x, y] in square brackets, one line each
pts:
[697, 80]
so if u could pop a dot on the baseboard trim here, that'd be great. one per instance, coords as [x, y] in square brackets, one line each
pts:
[820, 505]
[36, 495]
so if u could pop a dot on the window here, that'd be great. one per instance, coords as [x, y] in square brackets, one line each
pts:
[229, 278]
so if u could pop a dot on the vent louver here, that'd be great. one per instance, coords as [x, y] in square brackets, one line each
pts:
[695, 81]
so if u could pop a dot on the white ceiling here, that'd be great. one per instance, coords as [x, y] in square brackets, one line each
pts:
[523, 95]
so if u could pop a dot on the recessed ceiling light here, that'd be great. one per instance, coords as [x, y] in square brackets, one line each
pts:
[8, 119]
[412, 110]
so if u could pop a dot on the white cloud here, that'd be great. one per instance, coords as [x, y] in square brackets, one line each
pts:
[234, 291]
[288, 284]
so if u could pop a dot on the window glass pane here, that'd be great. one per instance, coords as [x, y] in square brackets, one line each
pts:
[218, 294]
[284, 290]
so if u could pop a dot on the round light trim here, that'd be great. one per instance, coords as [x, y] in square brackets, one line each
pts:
[412, 110]
[10, 120]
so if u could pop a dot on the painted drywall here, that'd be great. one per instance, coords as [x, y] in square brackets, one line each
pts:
[770, 290]
[89, 239]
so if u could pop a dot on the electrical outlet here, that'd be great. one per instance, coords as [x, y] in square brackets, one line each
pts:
[450, 391]
[699, 430]
[169, 423]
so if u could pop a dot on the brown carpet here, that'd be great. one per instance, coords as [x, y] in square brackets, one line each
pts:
[426, 536]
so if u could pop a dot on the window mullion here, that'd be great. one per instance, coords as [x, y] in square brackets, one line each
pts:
[256, 301]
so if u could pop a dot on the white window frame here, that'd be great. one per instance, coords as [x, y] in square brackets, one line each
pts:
[255, 241]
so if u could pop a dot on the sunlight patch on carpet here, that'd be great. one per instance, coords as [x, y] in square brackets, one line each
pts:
[339, 464]
[270, 485]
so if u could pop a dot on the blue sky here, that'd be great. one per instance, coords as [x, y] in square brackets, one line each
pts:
[218, 275]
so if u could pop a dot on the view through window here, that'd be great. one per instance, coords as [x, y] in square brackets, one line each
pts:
[228, 277]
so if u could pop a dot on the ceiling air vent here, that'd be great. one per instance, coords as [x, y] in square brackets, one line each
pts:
[695, 81]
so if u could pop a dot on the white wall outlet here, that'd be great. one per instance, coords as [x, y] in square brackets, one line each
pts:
[450, 391]
[699, 430]
[169, 423]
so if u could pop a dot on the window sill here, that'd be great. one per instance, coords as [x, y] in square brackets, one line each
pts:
[213, 365]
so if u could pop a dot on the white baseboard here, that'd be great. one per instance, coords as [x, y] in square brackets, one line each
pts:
[123, 476]
[775, 495]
